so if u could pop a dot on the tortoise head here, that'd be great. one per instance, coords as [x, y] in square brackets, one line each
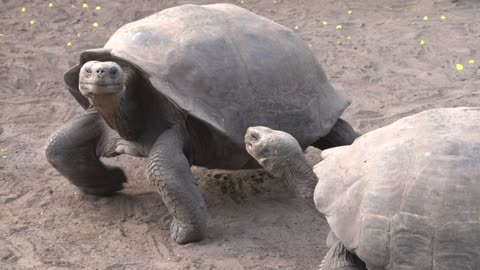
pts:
[101, 78]
[271, 147]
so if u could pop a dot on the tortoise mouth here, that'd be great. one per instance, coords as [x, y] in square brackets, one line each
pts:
[249, 147]
[103, 84]
[100, 88]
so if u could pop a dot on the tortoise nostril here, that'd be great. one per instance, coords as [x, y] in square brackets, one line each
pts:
[100, 71]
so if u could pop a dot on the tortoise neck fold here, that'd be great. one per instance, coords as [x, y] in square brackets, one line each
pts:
[298, 173]
[107, 105]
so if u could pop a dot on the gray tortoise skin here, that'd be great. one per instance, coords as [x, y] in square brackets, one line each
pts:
[405, 196]
[180, 88]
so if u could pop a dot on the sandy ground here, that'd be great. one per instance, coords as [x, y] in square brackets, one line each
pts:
[255, 223]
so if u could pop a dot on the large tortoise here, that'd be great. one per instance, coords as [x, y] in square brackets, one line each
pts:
[181, 87]
[406, 196]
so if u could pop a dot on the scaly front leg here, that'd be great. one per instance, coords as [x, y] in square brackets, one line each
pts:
[75, 151]
[339, 258]
[169, 171]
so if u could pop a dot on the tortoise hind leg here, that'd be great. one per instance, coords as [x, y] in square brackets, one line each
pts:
[338, 257]
[74, 150]
[341, 134]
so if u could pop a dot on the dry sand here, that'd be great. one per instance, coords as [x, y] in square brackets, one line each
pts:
[255, 223]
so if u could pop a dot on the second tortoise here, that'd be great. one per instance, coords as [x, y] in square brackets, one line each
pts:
[405, 196]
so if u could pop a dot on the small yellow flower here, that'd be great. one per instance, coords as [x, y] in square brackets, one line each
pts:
[325, 23]
[425, 18]
[443, 18]
[50, 5]
[459, 67]
[69, 44]
[85, 5]
[471, 61]
[349, 11]
[32, 22]
[98, 8]
[95, 24]
[349, 38]
[339, 27]
[422, 42]
[24, 9]
[78, 34]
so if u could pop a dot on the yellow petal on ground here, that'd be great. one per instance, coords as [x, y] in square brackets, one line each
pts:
[349, 11]
[471, 61]
[98, 8]
[24, 9]
[422, 42]
[425, 18]
[78, 34]
[85, 5]
[325, 23]
[32, 22]
[339, 27]
[95, 24]
[459, 67]
[69, 44]
[349, 38]
[50, 5]
[443, 18]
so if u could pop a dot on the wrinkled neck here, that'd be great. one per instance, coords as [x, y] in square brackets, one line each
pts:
[298, 173]
[121, 112]
[108, 106]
